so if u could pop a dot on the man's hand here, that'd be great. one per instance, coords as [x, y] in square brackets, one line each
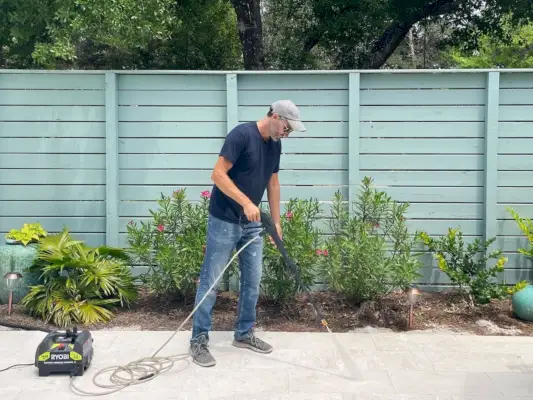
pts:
[252, 212]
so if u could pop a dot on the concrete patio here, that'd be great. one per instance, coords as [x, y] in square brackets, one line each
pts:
[386, 365]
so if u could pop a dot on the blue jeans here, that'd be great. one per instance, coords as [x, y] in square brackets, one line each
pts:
[222, 238]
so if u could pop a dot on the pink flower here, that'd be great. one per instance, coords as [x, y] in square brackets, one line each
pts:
[318, 251]
[160, 228]
[205, 194]
[288, 215]
[176, 192]
[325, 252]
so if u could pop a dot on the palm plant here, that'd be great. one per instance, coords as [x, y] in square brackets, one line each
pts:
[80, 284]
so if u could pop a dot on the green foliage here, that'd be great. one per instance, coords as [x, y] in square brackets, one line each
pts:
[80, 284]
[467, 266]
[369, 254]
[525, 226]
[29, 233]
[171, 244]
[513, 52]
[301, 239]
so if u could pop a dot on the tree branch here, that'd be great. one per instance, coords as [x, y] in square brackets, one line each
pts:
[397, 31]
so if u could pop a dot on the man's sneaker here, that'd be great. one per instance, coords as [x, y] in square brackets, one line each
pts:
[253, 343]
[201, 355]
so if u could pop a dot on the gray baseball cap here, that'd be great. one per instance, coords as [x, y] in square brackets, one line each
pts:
[287, 110]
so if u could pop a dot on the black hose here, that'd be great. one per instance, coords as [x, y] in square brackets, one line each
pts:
[268, 224]
[24, 327]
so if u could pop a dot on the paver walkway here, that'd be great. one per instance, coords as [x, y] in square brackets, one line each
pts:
[406, 366]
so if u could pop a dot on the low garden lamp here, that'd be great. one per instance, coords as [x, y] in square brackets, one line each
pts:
[12, 280]
[412, 297]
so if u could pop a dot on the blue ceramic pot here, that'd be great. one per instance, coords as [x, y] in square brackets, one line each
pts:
[523, 303]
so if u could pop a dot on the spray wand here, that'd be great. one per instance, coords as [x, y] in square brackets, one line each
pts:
[270, 228]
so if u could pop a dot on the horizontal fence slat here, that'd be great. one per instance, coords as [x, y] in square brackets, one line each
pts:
[57, 208]
[164, 113]
[143, 129]
[516, 96]
[190, 177]
[56, 161]
[290, 81]
[178, 82]
[421, 146]
[53, 192]
[52, 113]
[401, 129]
[52, 129]
[313, 97]
[425, 162]
[84, 224]
[52, 81]
[422, 113]
[203, 161]
[52, 97]
[455, 80]
[172, 98]
[40, 176]
[53, 145]
[515, 146]
[516, 113]
[213, 146]
[416, 97]
[520, 129]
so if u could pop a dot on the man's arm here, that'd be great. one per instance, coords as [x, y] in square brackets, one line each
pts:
[273, 193]
[225, 184]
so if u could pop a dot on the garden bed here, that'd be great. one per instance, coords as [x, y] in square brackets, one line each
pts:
[434, 311]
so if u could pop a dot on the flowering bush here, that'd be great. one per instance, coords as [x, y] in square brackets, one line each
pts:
[369, 252]
[172, 244]
[301, 239]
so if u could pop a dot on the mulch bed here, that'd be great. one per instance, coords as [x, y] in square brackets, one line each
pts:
[434, 311]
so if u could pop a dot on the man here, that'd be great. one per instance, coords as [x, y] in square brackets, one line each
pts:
[247, 165]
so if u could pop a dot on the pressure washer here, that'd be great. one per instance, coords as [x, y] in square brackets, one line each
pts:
[70, 351]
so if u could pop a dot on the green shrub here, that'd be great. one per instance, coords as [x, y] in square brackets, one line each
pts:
[369, 254]
[467, 266]
[301, 239]
[80, 284]
[525, 226]
[171, 245]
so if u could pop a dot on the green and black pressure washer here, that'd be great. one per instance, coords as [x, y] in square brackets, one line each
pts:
[65, 352]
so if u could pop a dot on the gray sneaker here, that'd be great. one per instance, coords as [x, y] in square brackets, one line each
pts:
[253, 343]
[201, 355]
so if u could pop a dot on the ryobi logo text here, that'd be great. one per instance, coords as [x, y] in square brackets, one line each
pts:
[56, 357]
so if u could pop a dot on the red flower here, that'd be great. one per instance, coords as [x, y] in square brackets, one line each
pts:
[205, 194]
[288, 215]
[160, 228]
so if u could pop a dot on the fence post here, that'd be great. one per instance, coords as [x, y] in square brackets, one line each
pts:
[353, 136]
[491, 155]
[229, 282]
[111, 164]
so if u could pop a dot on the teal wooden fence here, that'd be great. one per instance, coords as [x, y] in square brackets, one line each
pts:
[94, 150]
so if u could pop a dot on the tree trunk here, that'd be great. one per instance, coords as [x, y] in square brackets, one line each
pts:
[396, 32]
[250, 32]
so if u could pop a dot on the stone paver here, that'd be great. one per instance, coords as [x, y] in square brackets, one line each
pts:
[313, 366]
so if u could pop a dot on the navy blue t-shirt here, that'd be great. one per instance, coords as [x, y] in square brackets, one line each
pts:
[254, 161]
